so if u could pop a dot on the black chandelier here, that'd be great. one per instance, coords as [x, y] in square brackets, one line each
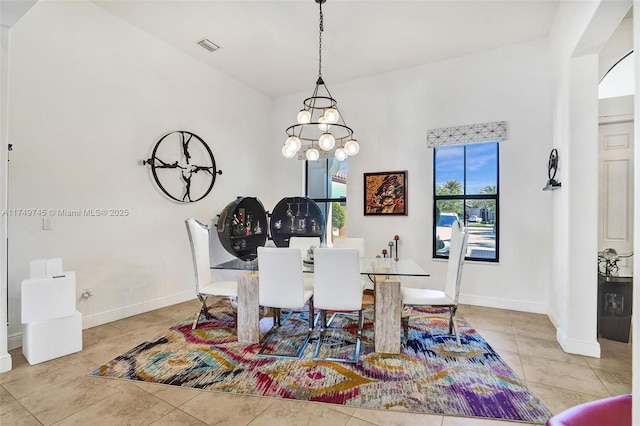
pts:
[320, 130]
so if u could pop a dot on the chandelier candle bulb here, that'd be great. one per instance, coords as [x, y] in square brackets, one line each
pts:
[323, 124]
[304, 117]
[352, 147]
[332, 115]
[293, 143]
[341, 154]
[312, 154]
[327, 141]
[286, 153]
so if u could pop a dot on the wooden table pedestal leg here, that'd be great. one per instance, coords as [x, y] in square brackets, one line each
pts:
[248, 308]
[388, 309]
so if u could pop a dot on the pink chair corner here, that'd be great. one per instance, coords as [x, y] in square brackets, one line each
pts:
[613, 411]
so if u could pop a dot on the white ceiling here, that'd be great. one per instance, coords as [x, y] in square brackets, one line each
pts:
[12, 10]
[272, 46]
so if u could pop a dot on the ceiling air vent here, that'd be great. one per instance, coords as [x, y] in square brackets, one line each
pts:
[208, 44]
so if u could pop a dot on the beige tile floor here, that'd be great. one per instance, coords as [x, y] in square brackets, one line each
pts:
[59, 392]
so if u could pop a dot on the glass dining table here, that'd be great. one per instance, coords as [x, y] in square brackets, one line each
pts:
[384, 272]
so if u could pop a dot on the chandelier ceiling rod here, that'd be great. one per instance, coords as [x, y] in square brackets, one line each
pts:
[320, 39]
[319, 122]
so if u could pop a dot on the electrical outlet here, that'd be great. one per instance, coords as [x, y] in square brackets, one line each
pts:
[47, 223]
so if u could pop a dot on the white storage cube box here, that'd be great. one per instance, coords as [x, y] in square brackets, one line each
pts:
[41, 268]
[52, 338]
[38, 268]
[52, 327]
[46, 298]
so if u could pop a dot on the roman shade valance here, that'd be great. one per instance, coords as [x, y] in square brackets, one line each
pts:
[472, 133]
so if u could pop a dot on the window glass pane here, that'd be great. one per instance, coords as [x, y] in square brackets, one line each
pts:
[338, 170]
[466, 189]
[482, 166]
[317, 179]
[447, 212]
[327, 180]
[449, 170]
[338, 219]
[480, 222]
[326, 212]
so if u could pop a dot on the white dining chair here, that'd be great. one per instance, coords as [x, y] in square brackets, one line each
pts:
[281, 287]
[350, 242]
[304, 244]
[447, 298]
[205, 287]
[359, 244]
[337, 288]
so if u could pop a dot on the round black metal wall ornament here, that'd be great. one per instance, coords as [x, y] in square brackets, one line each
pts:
[183, 166]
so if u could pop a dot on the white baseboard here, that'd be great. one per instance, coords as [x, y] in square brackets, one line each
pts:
[514, 305]
[578, 347]
[554, 318]
[5, 363]
[94, 320]
[15, 341]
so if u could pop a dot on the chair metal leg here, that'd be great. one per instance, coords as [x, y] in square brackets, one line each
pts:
[404, 321]
[457, 333]
[277, 317]
[312, 312]
[204, 311]
[452, 312]
[323, 320]
[453, 327]
[195, 320]
[277, 323]
[323, 327]
[405, 329]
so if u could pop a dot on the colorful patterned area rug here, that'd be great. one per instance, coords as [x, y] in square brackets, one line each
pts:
[431, 375]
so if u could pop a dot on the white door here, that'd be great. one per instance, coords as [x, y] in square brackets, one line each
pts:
[615, 219]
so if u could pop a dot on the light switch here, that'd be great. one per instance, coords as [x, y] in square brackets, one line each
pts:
[47, 223]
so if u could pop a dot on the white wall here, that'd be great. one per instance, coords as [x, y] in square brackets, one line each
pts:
[5, 359]
[90, 96]
[580, 30]
[635, 324]
[619, 44]
[390, 115]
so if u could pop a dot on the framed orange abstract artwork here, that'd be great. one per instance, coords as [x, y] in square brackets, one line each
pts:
[385, 193]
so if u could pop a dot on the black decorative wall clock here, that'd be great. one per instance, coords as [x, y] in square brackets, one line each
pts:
[183, 166]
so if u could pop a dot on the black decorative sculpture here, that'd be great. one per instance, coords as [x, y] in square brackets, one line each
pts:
[552, 169]
[195, 164]
[608, 261]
